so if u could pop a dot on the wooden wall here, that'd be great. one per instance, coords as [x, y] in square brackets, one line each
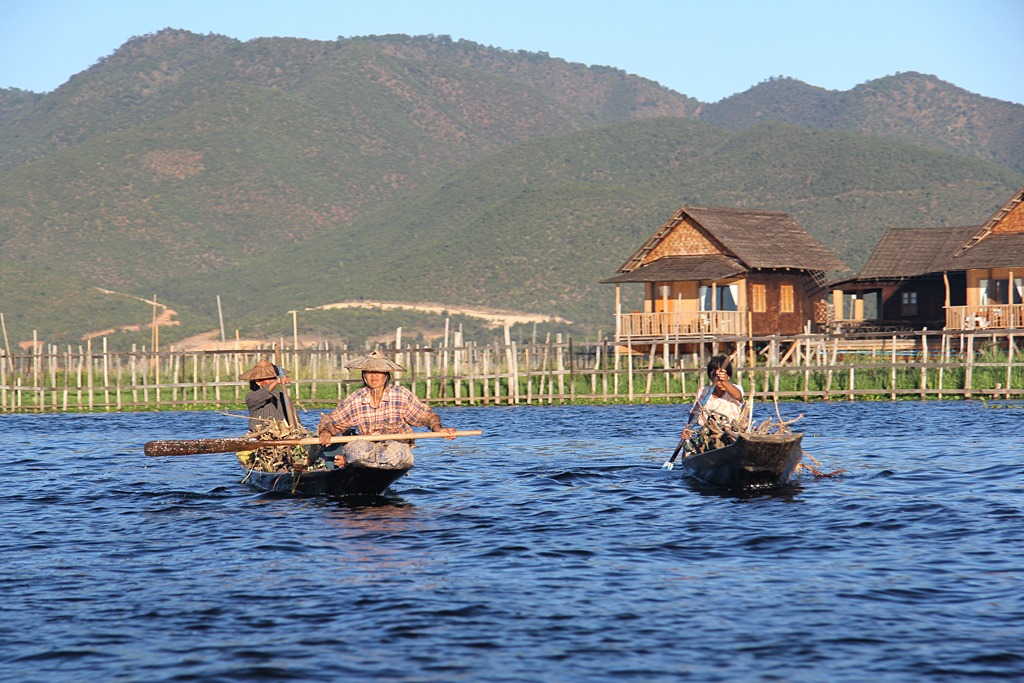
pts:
[773, 320]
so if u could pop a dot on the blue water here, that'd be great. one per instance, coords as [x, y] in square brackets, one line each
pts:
[550, 549]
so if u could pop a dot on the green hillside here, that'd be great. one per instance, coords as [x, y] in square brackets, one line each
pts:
[536, 226]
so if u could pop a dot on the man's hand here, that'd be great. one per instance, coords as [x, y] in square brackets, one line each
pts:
[450, 431]
[325, 438]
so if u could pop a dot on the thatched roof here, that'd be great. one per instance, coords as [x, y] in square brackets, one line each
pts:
[752, 239]
[911, 252]
[677, 268]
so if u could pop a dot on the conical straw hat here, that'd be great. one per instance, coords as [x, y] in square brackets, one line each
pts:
[262, 370]
[375, 361]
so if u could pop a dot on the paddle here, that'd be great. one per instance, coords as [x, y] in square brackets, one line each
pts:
[203, 446]
[668, 463]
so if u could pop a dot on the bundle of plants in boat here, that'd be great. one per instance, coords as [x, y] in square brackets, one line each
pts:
[282, 458]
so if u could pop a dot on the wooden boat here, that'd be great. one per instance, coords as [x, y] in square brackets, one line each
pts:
[354, 479]
[751, 461]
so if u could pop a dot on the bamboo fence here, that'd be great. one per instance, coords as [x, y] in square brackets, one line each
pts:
[920, 365]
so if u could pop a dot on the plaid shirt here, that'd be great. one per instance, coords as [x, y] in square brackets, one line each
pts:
[399, 409]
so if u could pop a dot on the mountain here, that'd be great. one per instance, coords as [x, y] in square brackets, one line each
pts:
[279, 171]
[387, 88]
[910, 107]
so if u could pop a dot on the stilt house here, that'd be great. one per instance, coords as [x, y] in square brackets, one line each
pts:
[954, 278]
[717, 271]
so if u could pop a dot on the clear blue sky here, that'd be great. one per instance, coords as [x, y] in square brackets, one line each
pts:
[708, 50]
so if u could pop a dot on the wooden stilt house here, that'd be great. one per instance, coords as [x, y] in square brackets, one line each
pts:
[712, 271]
[957, 278]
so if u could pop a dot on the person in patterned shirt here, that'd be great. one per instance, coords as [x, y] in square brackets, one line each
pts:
[378, 408]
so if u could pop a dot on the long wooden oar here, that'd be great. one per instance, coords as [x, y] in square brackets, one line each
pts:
[202, 446]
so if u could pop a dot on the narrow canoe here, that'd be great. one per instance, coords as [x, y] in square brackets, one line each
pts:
[752, 461]
[354, 479]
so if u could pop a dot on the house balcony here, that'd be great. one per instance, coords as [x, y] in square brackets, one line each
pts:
[987, 317]
[679, 325]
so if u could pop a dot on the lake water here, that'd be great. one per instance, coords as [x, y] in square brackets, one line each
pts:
[552, 548]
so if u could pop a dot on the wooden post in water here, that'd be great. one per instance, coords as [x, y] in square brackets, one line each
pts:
[852, 378]
[106, 375]
[776, 362]
[529, 367]
[1009, 361]
[89, 345]
[615, 374]
[892, 395]
[81, 361]
[117, 381]
[457, 362]
[515, 372]
[471, 364]
[943, 357]
[969, 382]
[443, 393]
[924, 363]
[67, 378]
[629, 359]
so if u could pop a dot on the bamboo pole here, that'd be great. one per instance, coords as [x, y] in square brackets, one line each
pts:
[604, 370]
[444, 362]
[892, 395]
[943, 358]
[117, 380]
[969, 382]
[67, 378]
[615, 375]
[471, 365]
[89, 344]
[560, 357]
[629, 359]
[515, 372]
[529, 367]
[924, 363]
[106, 375]
[483, 375]
[776, 346]
[1009, 361]
[81, 361]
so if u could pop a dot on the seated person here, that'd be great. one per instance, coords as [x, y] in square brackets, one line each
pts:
[265, 400]
[721, 399]
[378, 408]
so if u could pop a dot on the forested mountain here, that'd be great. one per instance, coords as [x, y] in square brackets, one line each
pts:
[911, 107]
[426, 169]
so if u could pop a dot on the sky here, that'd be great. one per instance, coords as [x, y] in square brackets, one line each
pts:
[708, 50]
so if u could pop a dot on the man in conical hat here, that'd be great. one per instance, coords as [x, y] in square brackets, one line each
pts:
[378, 408]
[265, 400]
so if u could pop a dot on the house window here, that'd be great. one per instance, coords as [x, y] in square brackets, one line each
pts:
[786, 299]
[760, 301]
[664, 291]
[909, 304]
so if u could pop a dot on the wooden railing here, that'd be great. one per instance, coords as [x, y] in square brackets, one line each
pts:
[990, 316]
[681, 324]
